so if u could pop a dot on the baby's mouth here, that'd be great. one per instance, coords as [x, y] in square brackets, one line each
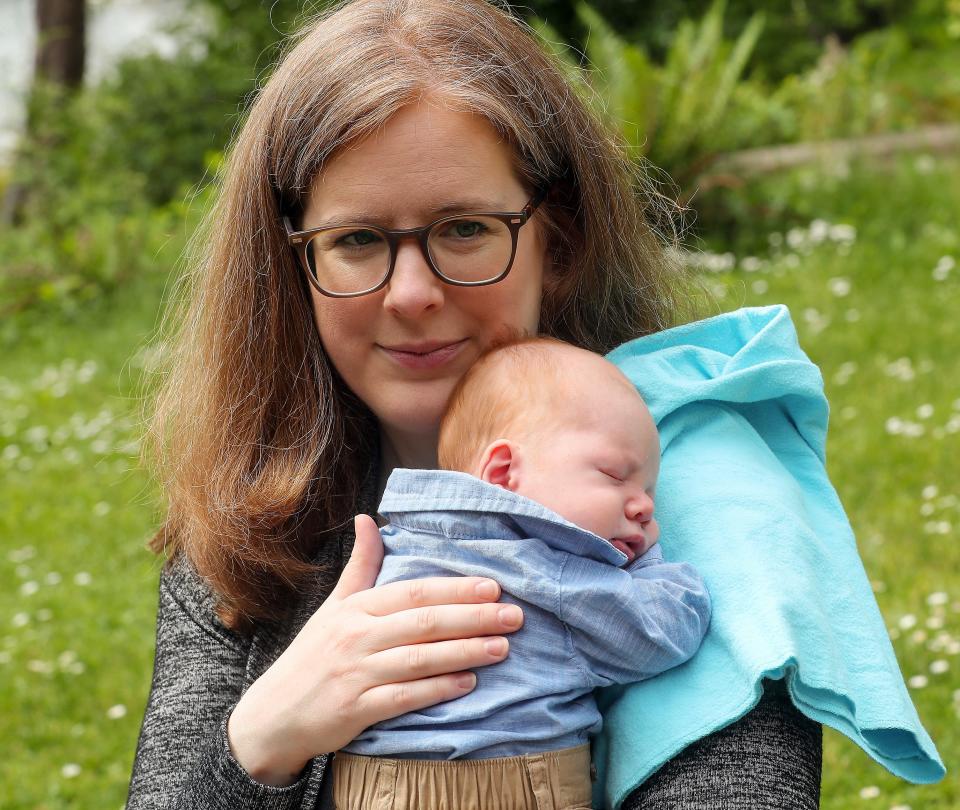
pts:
[631, 546]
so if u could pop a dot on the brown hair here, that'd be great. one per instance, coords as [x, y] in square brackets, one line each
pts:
[258, 443]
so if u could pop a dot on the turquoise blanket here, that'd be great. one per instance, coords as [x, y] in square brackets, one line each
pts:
[744, 496]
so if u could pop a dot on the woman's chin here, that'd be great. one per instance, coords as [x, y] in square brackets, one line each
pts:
[412, 433]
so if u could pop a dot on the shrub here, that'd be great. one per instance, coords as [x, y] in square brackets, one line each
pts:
[107, 175]
[676, 114]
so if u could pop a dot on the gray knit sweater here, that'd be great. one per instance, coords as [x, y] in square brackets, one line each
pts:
[769, 759]
[201, 670]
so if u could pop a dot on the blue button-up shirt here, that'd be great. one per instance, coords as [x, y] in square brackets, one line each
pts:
[588, 621]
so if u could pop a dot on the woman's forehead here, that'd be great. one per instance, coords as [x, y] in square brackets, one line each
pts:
[426, 157]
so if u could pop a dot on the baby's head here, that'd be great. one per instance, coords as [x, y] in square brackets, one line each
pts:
[564, 427]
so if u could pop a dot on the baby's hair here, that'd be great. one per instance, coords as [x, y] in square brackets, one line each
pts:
[512, 374]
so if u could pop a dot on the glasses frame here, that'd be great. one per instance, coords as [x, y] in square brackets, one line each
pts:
[514, 220]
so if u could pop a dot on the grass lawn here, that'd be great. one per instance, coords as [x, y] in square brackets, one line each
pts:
[866, 261]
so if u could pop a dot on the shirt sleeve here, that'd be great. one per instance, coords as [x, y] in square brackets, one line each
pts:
[630, 624]
[183, 759]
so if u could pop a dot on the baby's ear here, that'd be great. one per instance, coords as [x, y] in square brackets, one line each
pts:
[498, 464]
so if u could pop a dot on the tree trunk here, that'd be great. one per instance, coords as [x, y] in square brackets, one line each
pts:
[61, 42]
[735, 169]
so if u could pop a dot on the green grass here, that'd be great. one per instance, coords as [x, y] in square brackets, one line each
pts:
[77, 587]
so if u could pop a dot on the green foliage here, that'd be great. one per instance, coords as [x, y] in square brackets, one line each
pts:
[878, 84]
[160, 117]
[670, 113]
[698, 81]
[83, 234]
[66, 268]
[793, 34]
[72, 492]
[155, 119]
[107, 174]
[698, 102]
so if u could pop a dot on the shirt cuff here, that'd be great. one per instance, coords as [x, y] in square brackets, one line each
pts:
[239, 789]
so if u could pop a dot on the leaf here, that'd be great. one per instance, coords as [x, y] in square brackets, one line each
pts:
[733, 68]
[624, 76]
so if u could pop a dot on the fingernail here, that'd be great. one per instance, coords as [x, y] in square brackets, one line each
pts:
[487, 589]
[467, 680]
[510, 616]
[495, 646]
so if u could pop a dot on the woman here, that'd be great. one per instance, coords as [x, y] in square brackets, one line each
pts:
[298, 386]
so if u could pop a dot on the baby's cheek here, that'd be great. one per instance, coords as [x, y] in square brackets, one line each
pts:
[653, 531]
[576, 511]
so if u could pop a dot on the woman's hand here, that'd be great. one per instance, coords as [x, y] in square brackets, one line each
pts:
[366, 655]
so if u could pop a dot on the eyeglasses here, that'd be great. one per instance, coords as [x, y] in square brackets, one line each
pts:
[466, 250]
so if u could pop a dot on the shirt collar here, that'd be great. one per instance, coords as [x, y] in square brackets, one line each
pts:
[413, 497]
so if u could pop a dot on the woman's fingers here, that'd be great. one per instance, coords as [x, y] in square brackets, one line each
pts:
[413, 593]
[393, 699]
[416, 661]
[412, 643]
[362, 568]
[442, 623]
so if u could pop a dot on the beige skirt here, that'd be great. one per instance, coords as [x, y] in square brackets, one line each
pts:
[553, 780]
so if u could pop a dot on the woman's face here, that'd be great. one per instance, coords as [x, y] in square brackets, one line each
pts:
[403, 348]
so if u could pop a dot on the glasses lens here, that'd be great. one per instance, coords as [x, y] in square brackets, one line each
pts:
[348, 260]
[471, 249]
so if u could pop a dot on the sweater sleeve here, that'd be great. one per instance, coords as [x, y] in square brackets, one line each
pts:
[183, 759]
[630, 624]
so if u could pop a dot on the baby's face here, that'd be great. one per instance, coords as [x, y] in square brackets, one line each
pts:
[600, 469]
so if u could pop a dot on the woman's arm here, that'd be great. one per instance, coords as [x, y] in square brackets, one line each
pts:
[182, 759]
[768, 760]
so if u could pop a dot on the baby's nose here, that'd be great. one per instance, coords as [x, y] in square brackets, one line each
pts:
[640, 508]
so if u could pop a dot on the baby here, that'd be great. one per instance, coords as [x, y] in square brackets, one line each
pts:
[550, 461]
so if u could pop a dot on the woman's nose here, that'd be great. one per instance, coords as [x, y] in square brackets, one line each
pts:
[413, 288]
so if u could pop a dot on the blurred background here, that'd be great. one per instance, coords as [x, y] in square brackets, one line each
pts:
[814, 144]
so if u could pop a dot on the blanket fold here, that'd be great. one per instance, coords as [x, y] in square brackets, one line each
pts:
[743, 495]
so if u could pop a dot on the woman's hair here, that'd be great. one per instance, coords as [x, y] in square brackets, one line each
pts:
[260, 446]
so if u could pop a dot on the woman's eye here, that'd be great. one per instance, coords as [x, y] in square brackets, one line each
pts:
[465, 229]
[358, 239]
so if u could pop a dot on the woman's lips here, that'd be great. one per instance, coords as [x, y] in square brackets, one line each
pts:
[423, 356]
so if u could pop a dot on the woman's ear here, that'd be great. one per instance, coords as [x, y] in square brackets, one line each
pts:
[498, 464]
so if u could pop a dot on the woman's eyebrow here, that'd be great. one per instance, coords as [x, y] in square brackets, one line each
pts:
[468, 204]
[374, 217]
